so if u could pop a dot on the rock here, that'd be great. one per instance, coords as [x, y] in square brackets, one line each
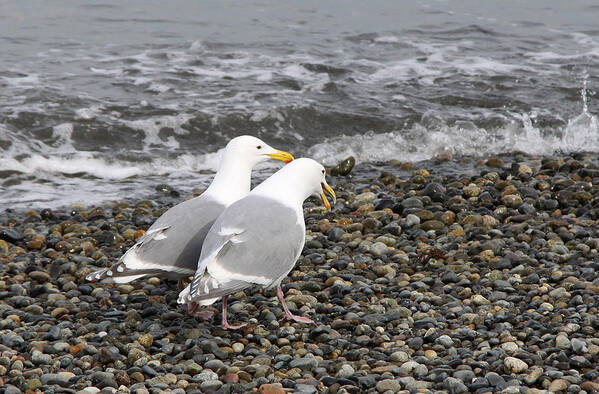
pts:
[146, 340]
[495, 162]
[167, 379]
[412, 220]
[514, 365]
[61, 379]
[11, 235]
[33, 384]
[557, 385]
[471, 190]
[192, 368]
[388, 385]
[562, 342]
[533, 376]
[344, 167]
[304, 363]
[432, 225]
[103, 379]
[335, 234]
[399, 357]
[478, 299]
[378, 249]
[579, 346]
[210, 386]
[445, 341]
[345, 371]
[455, 386]
[268, 388]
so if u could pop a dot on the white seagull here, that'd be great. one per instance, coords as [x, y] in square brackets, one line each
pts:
[172, 245]
[258, 239]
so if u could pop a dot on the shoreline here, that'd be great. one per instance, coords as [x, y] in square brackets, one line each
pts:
[458, 274]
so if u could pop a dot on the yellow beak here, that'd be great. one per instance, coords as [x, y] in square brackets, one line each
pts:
[280, 155]
[329, 190]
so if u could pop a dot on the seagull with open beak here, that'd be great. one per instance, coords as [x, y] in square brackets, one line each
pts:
[258, 239]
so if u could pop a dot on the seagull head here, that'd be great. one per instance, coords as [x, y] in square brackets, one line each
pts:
[253, 150]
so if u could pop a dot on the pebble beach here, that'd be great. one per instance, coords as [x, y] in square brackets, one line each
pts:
[455, 275]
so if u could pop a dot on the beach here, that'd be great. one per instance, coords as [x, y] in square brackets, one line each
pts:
[454, 274]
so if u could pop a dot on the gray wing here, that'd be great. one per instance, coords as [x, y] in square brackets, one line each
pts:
[171, 246]
[255, 241]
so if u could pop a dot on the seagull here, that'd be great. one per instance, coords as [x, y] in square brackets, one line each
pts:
[258, 239]
[172, 245]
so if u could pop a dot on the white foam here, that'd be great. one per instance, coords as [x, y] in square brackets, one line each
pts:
[387, 39]
[151, 128]
[420, 143]
[89, 113]
[25, 81]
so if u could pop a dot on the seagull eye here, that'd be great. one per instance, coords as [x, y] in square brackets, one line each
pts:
[322, 171]
[259, 147]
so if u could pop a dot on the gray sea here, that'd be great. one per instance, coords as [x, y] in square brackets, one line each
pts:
[102, 100]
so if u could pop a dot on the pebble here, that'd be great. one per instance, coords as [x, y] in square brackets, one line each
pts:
[514, 365]
[388, 385]
[420, 279]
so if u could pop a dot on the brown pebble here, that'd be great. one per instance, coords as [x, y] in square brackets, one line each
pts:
[268, 388]
[76, 348]
[231, 378]
[38, 242]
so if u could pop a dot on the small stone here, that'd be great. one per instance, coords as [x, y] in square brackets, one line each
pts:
[471, 190]
[533, 376]
[514, 365]
[512, 200]
[192, 368]
[510, 347]
[344, 167]
[432, 225]
[478, 299]
[345, 371]
[268, 388]
[399, 357]
[455, 386]
[524, 169]
[579, 346]
[495, 162]
[388, 385]
[562, 342]
[238, 347]
[335, 234]
[211, 385]
[39, 276]
[445, 341]
[33, 384]
[557, 385]
[167, 379]
[378, 249]
[146, 340]
[304, 363]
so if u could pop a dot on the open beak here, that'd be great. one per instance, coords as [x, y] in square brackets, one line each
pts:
[280, 155]
[329, 190]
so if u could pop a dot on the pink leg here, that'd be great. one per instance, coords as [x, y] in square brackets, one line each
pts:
[193, 310]
[225, 324]
[288, 314]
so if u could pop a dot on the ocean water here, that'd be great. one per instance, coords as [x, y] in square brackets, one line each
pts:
[104, 100]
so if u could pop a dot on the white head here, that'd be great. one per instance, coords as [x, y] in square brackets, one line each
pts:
[297, 181]
[233, 178]
[251, 151]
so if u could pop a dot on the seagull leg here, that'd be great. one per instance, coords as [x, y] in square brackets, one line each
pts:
[192, 309]
[225, 324]
[288, 314]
